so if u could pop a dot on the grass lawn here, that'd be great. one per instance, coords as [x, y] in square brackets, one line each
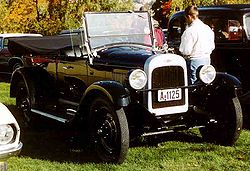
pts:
[50, 149]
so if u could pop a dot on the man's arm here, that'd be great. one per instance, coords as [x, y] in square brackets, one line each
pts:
[187, 42]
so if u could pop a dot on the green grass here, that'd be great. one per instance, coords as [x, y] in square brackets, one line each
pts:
[49, 150]
[5, 95]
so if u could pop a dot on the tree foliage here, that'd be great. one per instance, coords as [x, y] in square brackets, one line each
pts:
[49, 17]
[175, 5]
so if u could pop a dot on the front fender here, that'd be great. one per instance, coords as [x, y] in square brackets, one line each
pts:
[115, 91]
[228, 83]
[223, 85]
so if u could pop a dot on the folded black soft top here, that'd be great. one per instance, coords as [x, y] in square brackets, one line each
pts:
[47, 45]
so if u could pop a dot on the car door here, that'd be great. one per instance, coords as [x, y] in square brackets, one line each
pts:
[72, 77]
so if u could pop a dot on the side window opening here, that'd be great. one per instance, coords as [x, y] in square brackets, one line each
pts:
[177, 28]
[234, 30]
[1, 43]
[225, 29]
[5, 43]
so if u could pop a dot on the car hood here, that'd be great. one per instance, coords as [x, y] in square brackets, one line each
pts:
[124, 56]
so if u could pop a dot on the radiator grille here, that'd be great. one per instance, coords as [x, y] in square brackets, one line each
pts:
[166, 77]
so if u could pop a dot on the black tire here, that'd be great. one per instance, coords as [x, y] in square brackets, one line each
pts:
[24, 100]
[108, 131]
[227, 130]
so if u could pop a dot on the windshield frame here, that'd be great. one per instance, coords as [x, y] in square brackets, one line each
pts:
[246, 23]
[110, 28]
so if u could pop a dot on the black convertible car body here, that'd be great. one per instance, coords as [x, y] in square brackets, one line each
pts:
[113, 86]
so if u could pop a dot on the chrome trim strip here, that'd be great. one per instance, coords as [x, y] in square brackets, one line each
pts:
[49, 115]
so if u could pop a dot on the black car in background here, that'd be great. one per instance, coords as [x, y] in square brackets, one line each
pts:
[8, 62]
[231, 25]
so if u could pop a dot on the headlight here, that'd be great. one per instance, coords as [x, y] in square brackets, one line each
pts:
[6, 134]
[138, 79]
[207, 74]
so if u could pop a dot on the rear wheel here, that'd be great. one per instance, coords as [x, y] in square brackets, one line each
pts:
[108, 129]
[228, 115]
[24, 100]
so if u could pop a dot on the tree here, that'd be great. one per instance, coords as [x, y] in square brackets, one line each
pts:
[19, 17]
[161, 11]
[49, 17]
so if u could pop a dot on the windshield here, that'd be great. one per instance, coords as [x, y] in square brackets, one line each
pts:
[109, 28]
[247, 25]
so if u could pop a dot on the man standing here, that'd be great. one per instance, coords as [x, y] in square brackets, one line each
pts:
[197, 43]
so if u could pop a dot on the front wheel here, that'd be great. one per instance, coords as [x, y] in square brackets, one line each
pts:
[108, 130]
[228, 114]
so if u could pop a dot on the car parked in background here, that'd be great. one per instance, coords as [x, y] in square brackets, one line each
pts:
[113, 86]
[9, 63]
[10, 144]
[231, 25]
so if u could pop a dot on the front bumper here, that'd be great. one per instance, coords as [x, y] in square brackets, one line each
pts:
[5, 154]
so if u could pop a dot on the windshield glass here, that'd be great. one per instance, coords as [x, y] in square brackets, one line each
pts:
[109, 28]
[247, 22]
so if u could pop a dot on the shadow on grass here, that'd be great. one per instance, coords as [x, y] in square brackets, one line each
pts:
[188, 137]
[53, 141]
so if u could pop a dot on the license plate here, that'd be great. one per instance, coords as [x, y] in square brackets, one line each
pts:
[169, 95]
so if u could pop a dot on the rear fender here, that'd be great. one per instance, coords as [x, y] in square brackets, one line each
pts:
[14, 60]
[18, 75]
[34, 76]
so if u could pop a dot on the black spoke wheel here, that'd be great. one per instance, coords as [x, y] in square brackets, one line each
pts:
[228, 114]
[24, 101]
[108, 128]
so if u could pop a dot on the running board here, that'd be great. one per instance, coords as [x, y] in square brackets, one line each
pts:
[49, 116]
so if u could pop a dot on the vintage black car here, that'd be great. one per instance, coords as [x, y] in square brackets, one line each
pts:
[231, 25]
[112, 84]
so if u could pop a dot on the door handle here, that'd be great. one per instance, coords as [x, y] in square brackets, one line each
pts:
[68, 67]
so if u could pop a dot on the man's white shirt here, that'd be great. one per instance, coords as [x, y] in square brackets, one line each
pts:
[197, 41]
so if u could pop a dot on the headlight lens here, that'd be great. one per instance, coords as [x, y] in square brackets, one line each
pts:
[138, 79]
[6, 134]
[207, 74]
